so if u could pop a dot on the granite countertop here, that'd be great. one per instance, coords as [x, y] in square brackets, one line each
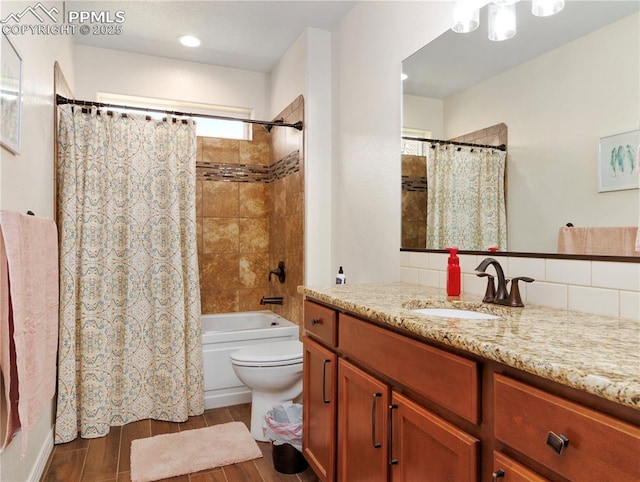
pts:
[599, 355]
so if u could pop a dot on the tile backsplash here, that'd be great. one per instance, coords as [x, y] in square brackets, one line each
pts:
[596, 287]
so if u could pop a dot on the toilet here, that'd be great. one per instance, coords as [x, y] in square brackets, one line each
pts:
[273, 372]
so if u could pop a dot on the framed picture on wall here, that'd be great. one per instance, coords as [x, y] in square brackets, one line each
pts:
[617, 162]
[10, 96]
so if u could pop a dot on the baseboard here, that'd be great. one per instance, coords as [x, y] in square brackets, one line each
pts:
[43, 457]
[231, 397]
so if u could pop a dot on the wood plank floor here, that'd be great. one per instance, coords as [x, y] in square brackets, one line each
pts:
[107, 458]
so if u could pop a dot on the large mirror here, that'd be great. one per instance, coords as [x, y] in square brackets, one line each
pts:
[560, 89]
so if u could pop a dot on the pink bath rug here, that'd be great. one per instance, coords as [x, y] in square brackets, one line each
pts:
[180, 453]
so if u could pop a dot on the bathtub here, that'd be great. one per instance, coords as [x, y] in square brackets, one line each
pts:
[222, 334]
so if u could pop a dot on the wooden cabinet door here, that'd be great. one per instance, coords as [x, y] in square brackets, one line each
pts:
[362, 426]
[319, 409]
[426, 448]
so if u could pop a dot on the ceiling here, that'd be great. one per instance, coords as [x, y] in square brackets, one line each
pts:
[249, 35]
[454, 62]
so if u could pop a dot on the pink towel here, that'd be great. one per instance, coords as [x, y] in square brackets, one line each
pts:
[607, 241]
[9, 420]
[31, 249]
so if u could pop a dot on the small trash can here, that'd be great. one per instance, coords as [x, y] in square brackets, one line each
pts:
[282, 425]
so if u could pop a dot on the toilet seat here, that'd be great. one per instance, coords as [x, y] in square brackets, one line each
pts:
[276, 354]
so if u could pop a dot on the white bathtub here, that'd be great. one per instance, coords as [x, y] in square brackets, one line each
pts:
[222, 334]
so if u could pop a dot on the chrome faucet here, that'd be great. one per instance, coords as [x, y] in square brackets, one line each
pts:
[271, 300]
[501, 296]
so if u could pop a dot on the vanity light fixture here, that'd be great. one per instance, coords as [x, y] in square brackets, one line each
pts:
[189, 41]
[466, 16]
[546, 8]
[502, 15]
[502, 20]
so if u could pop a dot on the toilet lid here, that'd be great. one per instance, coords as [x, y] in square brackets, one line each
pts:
[278, 353]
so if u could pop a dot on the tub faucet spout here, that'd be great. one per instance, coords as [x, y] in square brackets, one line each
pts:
[271, 300]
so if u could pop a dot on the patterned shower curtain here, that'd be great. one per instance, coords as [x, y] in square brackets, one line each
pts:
[130, 345]
[465, 198]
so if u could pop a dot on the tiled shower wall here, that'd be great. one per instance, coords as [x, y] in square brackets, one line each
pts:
[286, 205]
[250, 216]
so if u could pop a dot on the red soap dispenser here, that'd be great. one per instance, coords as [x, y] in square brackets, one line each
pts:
[453, 273]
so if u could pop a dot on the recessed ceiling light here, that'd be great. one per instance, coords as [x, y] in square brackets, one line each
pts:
[189, 41]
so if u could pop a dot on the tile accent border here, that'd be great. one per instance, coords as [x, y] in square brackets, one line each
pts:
[286, 166]
[414, 184]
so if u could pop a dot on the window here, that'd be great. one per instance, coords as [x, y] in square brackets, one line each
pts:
[205, 127]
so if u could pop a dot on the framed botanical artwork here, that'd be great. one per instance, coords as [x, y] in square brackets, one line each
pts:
[618, 166]
[10, 96]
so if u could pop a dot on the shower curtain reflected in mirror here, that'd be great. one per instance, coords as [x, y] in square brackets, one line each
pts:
[130, 344]
[465, 197]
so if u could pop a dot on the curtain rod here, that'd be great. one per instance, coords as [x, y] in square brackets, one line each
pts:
[501, 147]
[60, 100]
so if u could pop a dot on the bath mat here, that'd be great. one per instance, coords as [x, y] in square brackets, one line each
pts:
[180, 453]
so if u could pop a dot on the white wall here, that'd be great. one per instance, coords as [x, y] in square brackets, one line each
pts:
[26, 183]
[368, 48]
[423, 113]
[113, 71]
[306, 69]
[556, 108]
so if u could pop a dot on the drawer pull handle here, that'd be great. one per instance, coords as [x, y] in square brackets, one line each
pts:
[374, 404]
[557, 442]
[392, 461]
[324, 381]
[315, 321]
[498, 474]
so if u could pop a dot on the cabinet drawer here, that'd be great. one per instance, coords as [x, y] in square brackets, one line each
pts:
[320, 322]
[506, 469]
[447, 379]
[599, 447]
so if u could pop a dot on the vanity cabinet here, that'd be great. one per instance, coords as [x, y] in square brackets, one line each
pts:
[574, 441]
[382, 406]
[381, 433]
[320, 390]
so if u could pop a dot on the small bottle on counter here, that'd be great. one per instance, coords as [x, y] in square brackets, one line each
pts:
[340, 277]
[453, 273]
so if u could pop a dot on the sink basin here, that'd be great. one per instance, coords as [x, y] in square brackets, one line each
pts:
[453, 313]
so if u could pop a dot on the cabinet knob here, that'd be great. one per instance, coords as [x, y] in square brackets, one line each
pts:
[557, 442]
[498, 474]
[315, 321]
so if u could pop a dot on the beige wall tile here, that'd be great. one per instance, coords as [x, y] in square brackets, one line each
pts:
[254, 271]
[254, 200]
[220, 199]
[249, 299]
[255, 153]
[219, 301]
[254, 235]
[220, 271]
[224, 151]
[220, 235]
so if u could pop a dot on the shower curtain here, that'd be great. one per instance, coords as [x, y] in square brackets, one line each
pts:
[465, 197]
[130, 345]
